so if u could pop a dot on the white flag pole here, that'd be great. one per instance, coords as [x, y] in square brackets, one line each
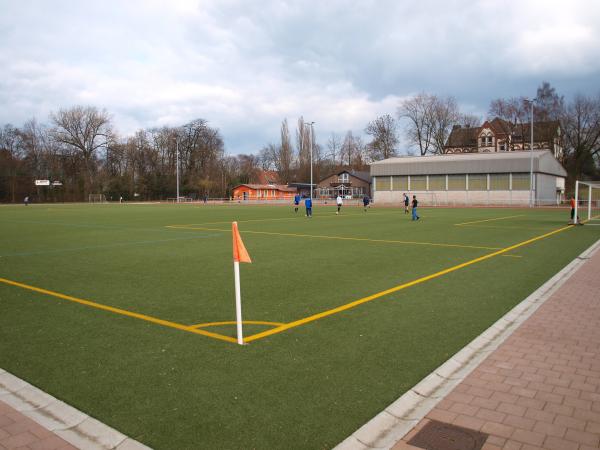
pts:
[238, 303]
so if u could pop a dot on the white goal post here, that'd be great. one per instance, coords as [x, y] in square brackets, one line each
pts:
[97, 198]
[587, 201]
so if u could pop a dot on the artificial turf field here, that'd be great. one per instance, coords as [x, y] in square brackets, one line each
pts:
[337, 329]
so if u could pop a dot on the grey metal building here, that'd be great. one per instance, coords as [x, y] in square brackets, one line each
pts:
[470, 179]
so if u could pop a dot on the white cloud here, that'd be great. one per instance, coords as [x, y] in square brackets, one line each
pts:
[245, 66]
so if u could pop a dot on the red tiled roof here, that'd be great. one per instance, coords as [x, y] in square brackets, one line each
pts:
[277, 187]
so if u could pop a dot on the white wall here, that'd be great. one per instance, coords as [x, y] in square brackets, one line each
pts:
[458, 198]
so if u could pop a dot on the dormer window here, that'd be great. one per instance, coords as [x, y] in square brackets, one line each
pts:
[344, 178]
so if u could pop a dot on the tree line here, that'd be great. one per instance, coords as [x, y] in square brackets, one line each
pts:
[80, 148]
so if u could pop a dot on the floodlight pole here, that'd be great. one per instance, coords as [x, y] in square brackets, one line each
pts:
[311, 159]
[177, 165]
[531, 157]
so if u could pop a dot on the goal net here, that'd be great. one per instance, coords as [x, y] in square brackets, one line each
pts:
[97, 198]
[587, 205]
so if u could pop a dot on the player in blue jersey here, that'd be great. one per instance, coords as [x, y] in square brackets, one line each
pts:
[297, 199]
[308, 206]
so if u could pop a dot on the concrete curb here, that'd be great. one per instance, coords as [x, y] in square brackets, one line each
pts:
[393, 423]
[75, 427]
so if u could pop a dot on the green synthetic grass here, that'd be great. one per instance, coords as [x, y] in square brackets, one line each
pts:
[308, 387]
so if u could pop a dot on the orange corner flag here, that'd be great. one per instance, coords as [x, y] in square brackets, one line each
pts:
[240, 254]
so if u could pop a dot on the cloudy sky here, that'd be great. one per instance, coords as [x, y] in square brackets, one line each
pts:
[246, 65]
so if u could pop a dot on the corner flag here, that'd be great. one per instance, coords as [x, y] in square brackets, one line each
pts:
[240, 254]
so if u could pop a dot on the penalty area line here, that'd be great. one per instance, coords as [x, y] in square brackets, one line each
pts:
[360, 301]
[488, 220]
[339, 238]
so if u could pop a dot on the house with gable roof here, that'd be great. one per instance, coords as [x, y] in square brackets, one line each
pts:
[498, 135]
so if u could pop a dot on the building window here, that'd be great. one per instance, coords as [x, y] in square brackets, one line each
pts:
[400, 183]
[383, 183]
[344, 178]
[499, 182]
[520, 181]
[478, 182]
[418, 183]
[437, 182]
[457, 183]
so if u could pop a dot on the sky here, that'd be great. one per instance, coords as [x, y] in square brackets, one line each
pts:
[245, 66]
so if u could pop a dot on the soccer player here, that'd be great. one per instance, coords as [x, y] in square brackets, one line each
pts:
[308, 206]
[296, 202]
[339, 203]
[366, 201]
[405, 203]
[572, 210]
[415, 203]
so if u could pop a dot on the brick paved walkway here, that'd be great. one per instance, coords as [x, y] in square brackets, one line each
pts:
[20, 432]
[541, 388]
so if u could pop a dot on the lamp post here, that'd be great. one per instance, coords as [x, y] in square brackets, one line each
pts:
[311, 158]
[177, 165]
[530, 101]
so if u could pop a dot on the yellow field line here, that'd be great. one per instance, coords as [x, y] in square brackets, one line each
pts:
[122, 312]
[294, 217]
[233, 322]
[355, 303]
[505, 227]
[489, 220]
[316, 236]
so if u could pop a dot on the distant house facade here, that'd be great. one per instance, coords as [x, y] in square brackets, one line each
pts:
[263, 192]
[498, 135]
[344, 183]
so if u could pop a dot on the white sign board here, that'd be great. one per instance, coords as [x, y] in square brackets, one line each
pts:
[56, 183]
[42, 182]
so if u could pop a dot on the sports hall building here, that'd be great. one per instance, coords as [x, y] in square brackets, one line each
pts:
[501, 178]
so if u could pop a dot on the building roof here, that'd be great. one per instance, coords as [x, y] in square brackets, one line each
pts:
[277, 187]
[266, 177]
[501, 162]
[467, 136]
[361, 175]
[463, 137]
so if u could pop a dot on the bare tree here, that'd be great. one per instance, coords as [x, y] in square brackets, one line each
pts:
[84, 129]
[419, 112]
[267, 157]
[285, 154]
[334, 146]
[444, 116]
[348, 150]
[11, 162]
[384, 137]
[581, 134]
[303, 139]
[469, 120]
[550, 106]
[515, 111]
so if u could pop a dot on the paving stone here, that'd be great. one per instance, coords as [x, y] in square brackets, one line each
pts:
[536, 390]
